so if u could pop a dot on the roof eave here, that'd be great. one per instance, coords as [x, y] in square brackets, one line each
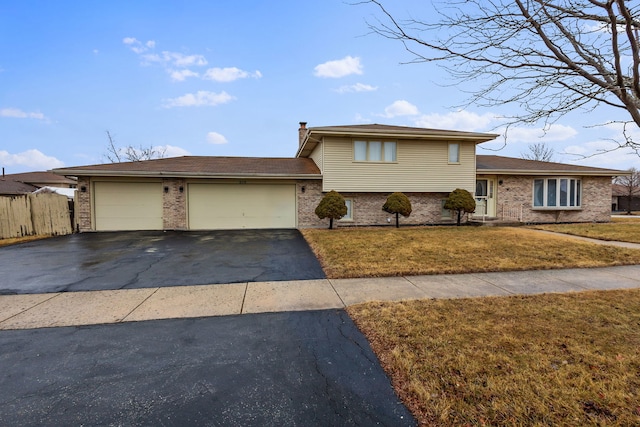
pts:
[167, 174]
[549, 172]
[473, 137]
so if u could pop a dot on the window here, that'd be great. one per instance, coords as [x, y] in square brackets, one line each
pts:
[556, 193]
[444, 213]
[349, 215]
[454, 152]
[374, 151]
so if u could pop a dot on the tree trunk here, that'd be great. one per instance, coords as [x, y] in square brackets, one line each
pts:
[459, 215]
[397, 220]
[330, 223]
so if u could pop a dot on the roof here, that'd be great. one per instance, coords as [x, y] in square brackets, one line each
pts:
[623, 190]
[203, 167]
[14, 188]
[39, 177]
[375, 130]
[512, 166]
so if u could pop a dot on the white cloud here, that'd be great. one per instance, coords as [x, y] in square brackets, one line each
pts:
[19, 114]
[229, 74]
[401, 108]
[358, 87]
[603, 154]
[181, 60]
[172, 151]
[32, 159]
[553, 133]
[181, 75]
[199, 99]
[216, 138]
[456, 120]
[339, 68]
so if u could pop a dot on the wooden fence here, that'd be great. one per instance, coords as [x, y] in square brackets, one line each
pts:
[34, 214]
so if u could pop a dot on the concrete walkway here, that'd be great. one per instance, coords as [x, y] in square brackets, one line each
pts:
[99, 307]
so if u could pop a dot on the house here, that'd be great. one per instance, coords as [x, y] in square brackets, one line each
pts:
[622, 201]
[41, 179]
[365, 163]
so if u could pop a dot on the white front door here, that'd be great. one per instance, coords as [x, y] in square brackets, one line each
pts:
[485, 198]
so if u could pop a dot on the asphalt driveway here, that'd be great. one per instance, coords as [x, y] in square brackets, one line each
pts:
[128, 260]
[280, 369]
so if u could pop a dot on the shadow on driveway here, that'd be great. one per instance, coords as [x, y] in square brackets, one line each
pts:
[280, 369]
[145, 259]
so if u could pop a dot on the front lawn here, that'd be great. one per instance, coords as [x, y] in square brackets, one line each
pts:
[620, 229]
[378, 252]
[556, 359]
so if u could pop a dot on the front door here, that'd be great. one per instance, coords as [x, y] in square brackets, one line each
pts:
[485, 198]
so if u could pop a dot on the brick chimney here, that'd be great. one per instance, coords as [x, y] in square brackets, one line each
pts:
[302, 132]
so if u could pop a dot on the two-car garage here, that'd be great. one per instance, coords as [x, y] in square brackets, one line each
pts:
[126, 205]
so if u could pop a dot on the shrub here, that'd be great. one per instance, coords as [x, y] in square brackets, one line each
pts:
[331, 206]
[460, 200]
[399, 204]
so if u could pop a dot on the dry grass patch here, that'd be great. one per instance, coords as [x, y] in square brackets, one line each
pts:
[15, 240]
[563, 359]
[622, 230]
[378, 252]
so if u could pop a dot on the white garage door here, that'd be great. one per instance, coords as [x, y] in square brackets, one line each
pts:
[232, 206]
[128, 206]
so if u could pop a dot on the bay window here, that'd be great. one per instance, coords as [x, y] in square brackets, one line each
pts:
[556, 193]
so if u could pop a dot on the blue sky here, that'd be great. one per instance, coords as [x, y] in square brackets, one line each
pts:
[228, 78]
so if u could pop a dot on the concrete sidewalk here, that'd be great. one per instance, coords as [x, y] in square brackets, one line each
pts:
[99, 307]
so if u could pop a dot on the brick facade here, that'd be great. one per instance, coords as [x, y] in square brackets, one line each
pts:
[174, 204]
[518, 190]
[82, 209]
[367, 208]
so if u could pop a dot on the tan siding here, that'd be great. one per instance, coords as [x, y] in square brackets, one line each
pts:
[317, 155]
[422, 166]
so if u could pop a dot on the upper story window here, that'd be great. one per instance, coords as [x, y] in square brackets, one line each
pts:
[374, 151]
[454, 152]
[557, 193]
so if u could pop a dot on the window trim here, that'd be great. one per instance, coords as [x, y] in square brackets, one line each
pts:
[382, 143]
[572, 195]
[457, 161]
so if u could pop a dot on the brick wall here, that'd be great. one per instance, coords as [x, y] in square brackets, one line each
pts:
[596, 200]
[82, 209]
[174, 204]
[367, 208]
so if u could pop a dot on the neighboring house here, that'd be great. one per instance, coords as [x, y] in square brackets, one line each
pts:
[15, 188]
[365, 163]
[41, 179]
[620, 199]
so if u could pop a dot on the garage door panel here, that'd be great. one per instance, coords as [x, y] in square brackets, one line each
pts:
[128, 206]
[229, 206]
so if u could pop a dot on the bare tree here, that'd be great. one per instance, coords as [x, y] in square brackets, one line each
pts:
[117, 154]
[631, 186]
[539, 151]
[549, 57]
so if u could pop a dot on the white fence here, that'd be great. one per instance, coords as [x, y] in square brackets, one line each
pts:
[511, 212]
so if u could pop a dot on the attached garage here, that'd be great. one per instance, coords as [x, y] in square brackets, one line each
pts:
[127, 206]
[233, 206]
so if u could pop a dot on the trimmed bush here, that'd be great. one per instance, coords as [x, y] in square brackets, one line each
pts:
[331, 206]
[399, 204]
[460, 200]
